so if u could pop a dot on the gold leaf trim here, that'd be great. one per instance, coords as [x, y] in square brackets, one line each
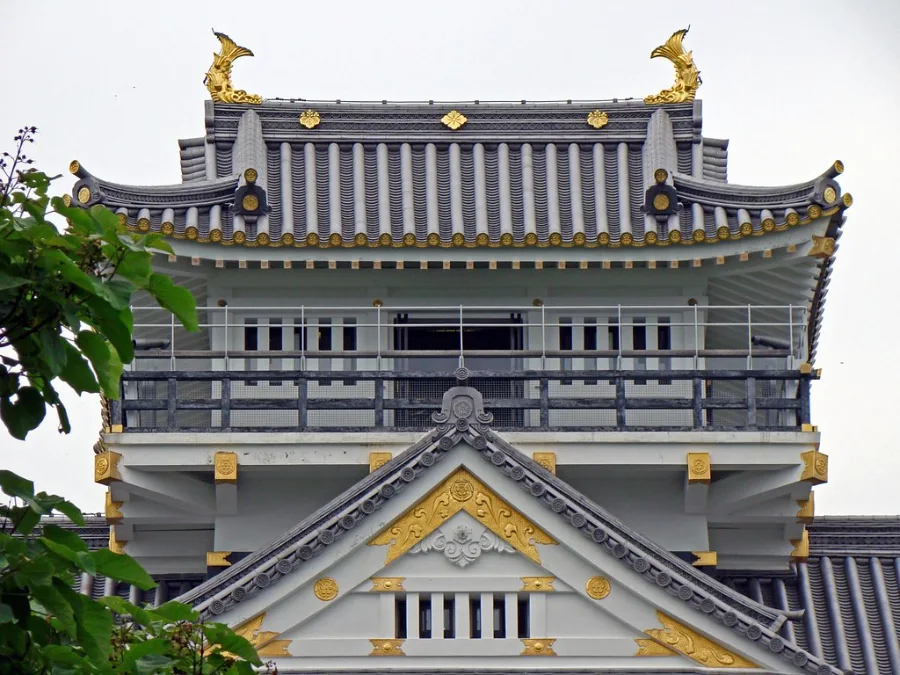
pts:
[106, 467]
[386, 584]
[462, 492]
[386, 647]
[218, 559]
[378, 459]
[546, 460]
[538, 647]
[226, 467]
[538, 584]
[111, 509]
[597, 587]
[815, 466]
[264, 641]
[699, 470]
[679, 638]
[326, 589]
[648, 647]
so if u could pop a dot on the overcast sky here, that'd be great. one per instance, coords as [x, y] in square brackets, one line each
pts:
[793, 85]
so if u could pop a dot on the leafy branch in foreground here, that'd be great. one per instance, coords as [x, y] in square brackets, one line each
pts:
[65, 295]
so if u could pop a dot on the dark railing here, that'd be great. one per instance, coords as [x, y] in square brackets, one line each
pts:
[609, 400]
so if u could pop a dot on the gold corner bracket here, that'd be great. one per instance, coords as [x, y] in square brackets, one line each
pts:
[687, 77]
[538, 647]
[226, 468]
[106, 467]
[378, 460]
[815, 466]
[386, 647]
[699, 468]
[218, 77]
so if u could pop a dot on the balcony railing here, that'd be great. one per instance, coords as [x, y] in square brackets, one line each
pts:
[533, 400]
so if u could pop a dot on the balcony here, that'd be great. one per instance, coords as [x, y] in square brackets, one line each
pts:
[540, 368]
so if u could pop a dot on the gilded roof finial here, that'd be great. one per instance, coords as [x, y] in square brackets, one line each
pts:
[218, 77]
[687, 77]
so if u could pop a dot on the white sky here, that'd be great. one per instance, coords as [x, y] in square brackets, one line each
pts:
[794, 85]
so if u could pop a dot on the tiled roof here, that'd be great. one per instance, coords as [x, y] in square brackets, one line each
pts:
[513, 175]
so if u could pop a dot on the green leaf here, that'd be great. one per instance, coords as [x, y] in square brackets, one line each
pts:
[177, 300]
[135, 266]
[227, 640]
[176, 611]
[95, 624]
[125, 608]
[104, 359]
[76, 373]
[14, 485]
[115, 326]
[6, 613]
[80, 559]
[71, 511]
[53, 350]
[122, 567]
[7, 281]
[64, 537]
[23, 415]
[56, 605]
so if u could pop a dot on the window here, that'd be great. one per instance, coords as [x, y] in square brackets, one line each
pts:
[349, 336]
[565, 345]
[499, 617]
[251, 344]
[664, 341]
[524, 618]
[400, 617]
[474, 616]
[324, 345]
[639, 343]
[590, 343]
[614, 332]
[276, 344]
[449, 617]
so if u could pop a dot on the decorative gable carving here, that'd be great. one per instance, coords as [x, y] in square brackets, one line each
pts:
[460, 547]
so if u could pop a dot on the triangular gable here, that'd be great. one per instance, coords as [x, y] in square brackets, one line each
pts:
[463, 419]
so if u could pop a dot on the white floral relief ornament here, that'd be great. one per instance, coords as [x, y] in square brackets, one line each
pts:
[461, 549]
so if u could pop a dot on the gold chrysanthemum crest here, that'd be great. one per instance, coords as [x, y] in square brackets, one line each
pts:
[310, 119]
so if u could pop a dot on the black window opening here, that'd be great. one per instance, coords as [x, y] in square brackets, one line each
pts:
[524, 616]
[499, 617]
[400, 617]
[565, 345]
[424, 617]
[495, 604]
[449, 617]
[613, 335]
[349, 336]
[589, 332]
[639, 343]
[324, 344]
[251, 344]
[276, 344]
[664, 341]
[474, 616]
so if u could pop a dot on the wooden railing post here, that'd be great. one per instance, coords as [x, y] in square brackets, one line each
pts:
[697, 393]
[379, 402]
[172, 392]
[226, 403]
[620, 401]
[751, 402]
[302, 401]
[544, 384]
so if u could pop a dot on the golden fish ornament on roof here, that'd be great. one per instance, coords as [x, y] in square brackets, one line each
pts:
[218, 77]
[687, 77]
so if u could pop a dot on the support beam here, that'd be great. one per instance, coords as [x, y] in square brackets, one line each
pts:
[226, 499]
[743, 490]
[170, 489]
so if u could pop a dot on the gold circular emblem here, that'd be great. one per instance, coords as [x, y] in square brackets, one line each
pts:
[287, 239]
[326, 589]
[660, 175]
[377, 464]
[84, 195]
[603, 238]
[651, 237]
[74, 166]
[538, 646]
[143, 224]
[768, 224]
[814, 211]
[746, 229]
[250, 175]
[360, 239]
[312, 239]
[661, 202]
[102, 465]
[122, 216]
[722, 233]
[555, 239]
[506, 239]
[215, 235]
[699, 235]
[578, 239]
[538, 583]
[191, 233]
[67, 200]
[531, 239]
[263, 239]
[627, 239]
[389, 584]
[433, 239]
[829, 195]
[250, 203]
[226, 466]
[458, 239]
[239, 237]
[698, 467]
[334, 239]
[847, 199]
[462, 490]
[821, 466]
[482, 239]
[792, 219]
[597, 587]
[387, 647]
[409, 239]
[168, 228]
[839, 166]
[385, 239]
[674, 236]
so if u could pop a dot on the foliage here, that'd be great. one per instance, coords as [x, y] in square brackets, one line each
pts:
[65, 295]
[46, 626]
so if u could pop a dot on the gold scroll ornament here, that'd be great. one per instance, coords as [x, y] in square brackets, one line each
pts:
[675, 637]
[462, 492]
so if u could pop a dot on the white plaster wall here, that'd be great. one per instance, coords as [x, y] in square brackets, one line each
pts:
[654, 506]
[268, 506]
